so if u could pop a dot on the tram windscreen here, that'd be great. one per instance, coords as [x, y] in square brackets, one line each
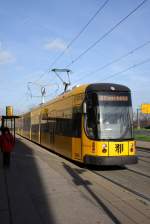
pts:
[110, 117]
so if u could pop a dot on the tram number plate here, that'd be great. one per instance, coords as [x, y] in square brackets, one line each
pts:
[119, 148]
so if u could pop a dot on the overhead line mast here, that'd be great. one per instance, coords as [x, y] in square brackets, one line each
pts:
[42, 90]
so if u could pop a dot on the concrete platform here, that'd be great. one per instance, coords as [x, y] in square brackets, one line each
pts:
[39, 188]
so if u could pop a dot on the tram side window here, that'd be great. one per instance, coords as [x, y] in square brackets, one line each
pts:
[91, 124]
[35, 128]
[52, 126]
[26, 123]
[69, 127]
[45, 127]
[92, 116]
[58, 130]
[63, 127]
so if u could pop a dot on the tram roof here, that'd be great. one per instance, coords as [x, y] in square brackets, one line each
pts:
[84, 88]
[107, 87]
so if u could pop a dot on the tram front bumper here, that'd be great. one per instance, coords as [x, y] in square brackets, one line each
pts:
[110, 160]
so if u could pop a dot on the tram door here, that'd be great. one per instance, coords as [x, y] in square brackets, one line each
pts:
[77, 137]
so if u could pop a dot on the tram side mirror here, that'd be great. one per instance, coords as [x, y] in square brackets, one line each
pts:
[84, 108]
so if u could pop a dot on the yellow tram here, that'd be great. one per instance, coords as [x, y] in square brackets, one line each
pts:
[92, 124]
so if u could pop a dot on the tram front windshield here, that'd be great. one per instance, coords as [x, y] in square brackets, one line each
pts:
[111, 117]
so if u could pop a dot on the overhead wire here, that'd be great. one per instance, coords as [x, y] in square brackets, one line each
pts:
[107, 33]
[127, 69]
[81, 31]
[100, 39]
[41, 76]
[74, 39]
[115, 60]
[123, 71]
[95, 43]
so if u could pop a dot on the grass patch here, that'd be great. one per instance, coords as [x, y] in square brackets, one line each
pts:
[142, 138]
[142, 129]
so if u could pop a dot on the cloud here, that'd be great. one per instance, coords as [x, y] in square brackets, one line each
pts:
[56, 44]
[6, 57]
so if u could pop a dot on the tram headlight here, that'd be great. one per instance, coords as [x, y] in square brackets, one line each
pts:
[104, 148]
[131, 147]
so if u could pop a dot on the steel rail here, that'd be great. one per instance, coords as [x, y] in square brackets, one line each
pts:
[122, 186]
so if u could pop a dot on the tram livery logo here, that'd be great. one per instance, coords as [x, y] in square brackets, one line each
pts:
[119, 148]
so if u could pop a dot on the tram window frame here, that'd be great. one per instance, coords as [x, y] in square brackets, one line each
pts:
[27, 123]
[35, 128]
[69, 127]
[94, 134]
[91, 115]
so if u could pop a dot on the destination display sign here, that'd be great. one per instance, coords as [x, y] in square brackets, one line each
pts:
[112, 98]
[145, 108]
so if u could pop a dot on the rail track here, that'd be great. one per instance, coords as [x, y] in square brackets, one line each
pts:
[137, 172]
[144, 150]
[120, 180]
[137, 193]
[123, 186]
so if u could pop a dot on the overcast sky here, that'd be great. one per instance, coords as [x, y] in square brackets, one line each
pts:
[34, 32]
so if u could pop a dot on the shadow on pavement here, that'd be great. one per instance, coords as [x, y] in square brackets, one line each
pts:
[27, 198]
[78, 180]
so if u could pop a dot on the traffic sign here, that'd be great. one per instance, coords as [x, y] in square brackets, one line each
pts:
[145, 108]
